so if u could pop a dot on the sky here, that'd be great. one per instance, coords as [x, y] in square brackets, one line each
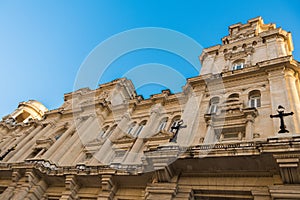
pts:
[45, 46]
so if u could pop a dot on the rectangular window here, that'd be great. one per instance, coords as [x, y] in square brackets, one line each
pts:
[213, 109]
[254, 103]
[238, 66]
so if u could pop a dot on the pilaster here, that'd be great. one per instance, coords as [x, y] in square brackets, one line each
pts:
[289, 167]
[72, 188]
[108, 188]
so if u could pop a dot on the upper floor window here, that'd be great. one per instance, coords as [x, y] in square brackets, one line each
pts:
[131, 128]
[213, 105]
[140, 127]
[239, 64]
[109, 132]
[175, 122]
[162, 124]
[103, 131]
[254, 99]
[57, 136]
[59, 133]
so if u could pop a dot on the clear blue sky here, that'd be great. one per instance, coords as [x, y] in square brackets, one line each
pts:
[44, 43]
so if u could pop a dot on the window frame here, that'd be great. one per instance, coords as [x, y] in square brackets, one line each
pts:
[213, 105]
[254, 99]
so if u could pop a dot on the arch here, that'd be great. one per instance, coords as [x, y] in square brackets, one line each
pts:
[233, 97]
[254, 99]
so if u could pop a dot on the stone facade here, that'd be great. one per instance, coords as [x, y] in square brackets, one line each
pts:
[110, 143]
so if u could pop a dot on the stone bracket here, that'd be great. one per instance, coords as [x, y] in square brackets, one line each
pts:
[108, 187]
[289, 167]
[164, 174]
[161, 191]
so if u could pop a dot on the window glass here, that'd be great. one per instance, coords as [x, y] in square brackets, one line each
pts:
[213, 105]
[254, 99]
[131, 127]
[162, 124]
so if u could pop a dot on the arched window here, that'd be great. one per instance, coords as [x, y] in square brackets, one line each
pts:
[109, 132]
[103, 131]
[238, 64]
[140, 128]
[131, 128]
[213, 105]
[175, 122]
[233, 97]
[162, 124]
[254, 99]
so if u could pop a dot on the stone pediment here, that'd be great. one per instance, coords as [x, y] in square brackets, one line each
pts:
[124, 138]
[44, 143]
[95, 142]
[161, 135]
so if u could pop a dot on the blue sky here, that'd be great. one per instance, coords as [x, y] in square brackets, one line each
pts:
[44, 43]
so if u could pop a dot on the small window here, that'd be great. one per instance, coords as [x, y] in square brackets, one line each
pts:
[238, 64]
[140, 128]
[175, 122]
[162, 124]
[103, 131]
[109, 132]
[58, 136]
[131, 128]
[254, 99]
[59, 133]
[213, 105]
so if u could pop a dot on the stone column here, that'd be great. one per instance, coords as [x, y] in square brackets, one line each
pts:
[72, 188]
[17, 141]
[27, 149]
[293, 97]
[105, 153]
[9, 192]
[191, 119]
[59, 142]
[210, 133]
[147, 131]
[11, 138]
[279, 96]
[71, 148]
[24, 144]
[37, 191]
[249, 127]
[108, 188]
[164, 191]
[31, 181]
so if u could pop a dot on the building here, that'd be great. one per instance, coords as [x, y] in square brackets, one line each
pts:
[215, 140]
